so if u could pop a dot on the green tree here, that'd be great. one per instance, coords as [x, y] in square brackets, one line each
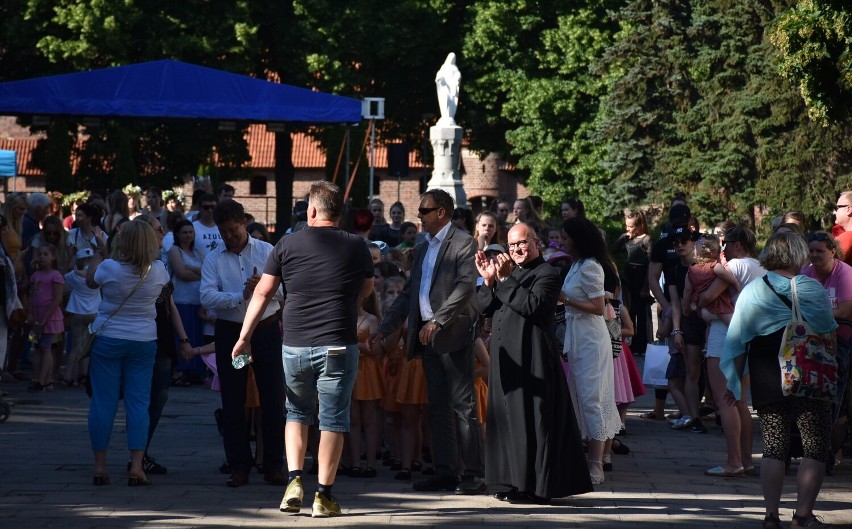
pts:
[647, 68]
[815, 38]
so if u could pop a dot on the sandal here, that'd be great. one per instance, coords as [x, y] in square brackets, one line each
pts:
[356, 472]
[651, 416]
[99, 480]
[771, 521]
[369, 472]
[403, 475]
[720, 472]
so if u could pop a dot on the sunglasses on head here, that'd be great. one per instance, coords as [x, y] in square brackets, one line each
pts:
[821, 237]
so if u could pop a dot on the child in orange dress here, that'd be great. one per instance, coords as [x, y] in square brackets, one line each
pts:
[412, 398]
[366, 394]
[393, 356]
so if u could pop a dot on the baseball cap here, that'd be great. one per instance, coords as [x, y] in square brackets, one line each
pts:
[679, 214]
[683, 232]
[84, 253]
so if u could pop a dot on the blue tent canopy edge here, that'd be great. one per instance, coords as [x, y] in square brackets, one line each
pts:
[172, 89]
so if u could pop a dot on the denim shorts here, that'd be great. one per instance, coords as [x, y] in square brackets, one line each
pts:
[314, 375]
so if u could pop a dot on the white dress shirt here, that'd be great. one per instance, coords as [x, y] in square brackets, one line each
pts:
[223, 276]
[428, 269]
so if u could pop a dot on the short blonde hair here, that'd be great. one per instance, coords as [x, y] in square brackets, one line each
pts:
[136, 244]
[784, 251]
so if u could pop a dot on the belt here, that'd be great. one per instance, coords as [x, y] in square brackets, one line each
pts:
[262, 323]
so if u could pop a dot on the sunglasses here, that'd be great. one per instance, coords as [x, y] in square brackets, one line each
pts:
[838, 206]
[821, 237]
[426, 211]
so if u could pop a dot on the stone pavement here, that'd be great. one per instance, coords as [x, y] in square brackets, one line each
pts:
[46, 462]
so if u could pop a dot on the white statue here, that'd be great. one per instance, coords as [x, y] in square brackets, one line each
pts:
[447, 82]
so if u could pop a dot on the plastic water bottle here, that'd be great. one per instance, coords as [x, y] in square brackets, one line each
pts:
[240, 361]
[32, 337]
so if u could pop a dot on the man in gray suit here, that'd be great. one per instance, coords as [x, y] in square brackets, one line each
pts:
[439, 303]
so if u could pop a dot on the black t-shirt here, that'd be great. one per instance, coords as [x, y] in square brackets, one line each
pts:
[675, 274]
[663, 252]
[322, 271]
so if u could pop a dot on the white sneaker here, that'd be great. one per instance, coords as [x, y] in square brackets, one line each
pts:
[683, 422]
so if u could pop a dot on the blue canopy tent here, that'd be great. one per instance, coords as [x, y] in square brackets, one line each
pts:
[172, 89]
[167, 89]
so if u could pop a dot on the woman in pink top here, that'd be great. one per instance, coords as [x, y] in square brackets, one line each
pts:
[827, 267]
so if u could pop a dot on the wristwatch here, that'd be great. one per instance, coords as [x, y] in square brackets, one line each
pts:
[436, 322]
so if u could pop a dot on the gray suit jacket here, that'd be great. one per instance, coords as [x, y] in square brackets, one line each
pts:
[452, 295]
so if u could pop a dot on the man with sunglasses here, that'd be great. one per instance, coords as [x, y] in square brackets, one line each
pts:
[843, 225]
[207, 236]
[438, 302]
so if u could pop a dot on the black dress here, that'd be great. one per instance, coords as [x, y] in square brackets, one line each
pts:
[533, 442]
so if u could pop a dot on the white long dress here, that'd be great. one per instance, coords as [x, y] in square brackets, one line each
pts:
[588, 351]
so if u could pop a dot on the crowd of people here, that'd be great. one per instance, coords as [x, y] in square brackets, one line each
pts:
[489, 353]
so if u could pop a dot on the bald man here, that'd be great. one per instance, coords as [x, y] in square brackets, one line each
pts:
[533, 446]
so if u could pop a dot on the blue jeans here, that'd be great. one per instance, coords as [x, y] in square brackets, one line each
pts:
[115, 363]
[312, 373]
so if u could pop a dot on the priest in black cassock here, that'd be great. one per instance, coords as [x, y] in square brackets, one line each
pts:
[533, 445]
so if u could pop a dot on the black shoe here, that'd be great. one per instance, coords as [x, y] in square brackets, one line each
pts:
[403, 475]
[697, 427]
[150, 466]
[618, 447]
[436, 483]
[225, 468]
[505, 494]
[471, 486]
[525, 498]
[607, 466]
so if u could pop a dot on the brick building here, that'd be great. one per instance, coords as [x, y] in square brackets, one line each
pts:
[484, 180]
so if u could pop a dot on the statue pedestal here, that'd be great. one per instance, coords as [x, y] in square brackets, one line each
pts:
[446, 146]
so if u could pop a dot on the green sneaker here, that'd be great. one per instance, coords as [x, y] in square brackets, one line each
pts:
[292, 501]
[325, 507]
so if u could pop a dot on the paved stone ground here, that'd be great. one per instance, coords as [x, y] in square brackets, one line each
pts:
[46, 462]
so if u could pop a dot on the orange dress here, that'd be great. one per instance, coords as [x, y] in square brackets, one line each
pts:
[480, 389]
[368, 382]
[391, 372]
[412, 383]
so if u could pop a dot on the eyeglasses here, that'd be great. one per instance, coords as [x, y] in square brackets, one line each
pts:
[838, 206]
[426, 211]
[520, 244]
[728, 241]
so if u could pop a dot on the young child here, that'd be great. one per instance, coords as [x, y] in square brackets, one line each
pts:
[82, 308]
[701, 275]
[46, 286]
[366, 394]
[393, 355]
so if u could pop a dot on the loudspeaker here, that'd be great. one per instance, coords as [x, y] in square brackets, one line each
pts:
[397, 159]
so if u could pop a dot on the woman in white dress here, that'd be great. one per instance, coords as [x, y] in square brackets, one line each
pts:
[588, 349]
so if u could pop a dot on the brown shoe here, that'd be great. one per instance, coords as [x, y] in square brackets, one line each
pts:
[238, 479]
[275, 477]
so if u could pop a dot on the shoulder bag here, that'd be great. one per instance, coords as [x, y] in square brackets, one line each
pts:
[808, 365]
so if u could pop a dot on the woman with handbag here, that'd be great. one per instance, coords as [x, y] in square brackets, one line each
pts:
[755, 338]
[124, 347]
